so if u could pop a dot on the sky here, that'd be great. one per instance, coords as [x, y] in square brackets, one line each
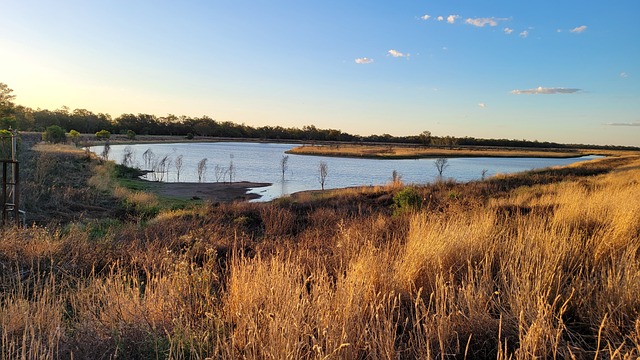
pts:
[565, 71]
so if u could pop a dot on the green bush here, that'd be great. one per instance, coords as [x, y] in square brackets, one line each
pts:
[103, 134]
[54, 134]
[74, 135]
[131, 134]
[406, 200]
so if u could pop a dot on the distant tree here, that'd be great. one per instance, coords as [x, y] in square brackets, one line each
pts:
[178, 165]
[441, 164]
[7, 118]
[284, 165]
[131, 134]
[425, 137]
[54, 134]
[103, 134]
[202, 169]
[74, 135]
[323, 171]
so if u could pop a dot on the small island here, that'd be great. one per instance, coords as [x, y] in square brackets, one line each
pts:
[402, 151]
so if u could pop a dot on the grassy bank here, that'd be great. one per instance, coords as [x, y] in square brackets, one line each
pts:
[535, 265]
[415, 152]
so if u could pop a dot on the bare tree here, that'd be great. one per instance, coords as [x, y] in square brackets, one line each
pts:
[219, 172]
[127, 156]
[484, 174]
[396, 179]
[178, 165]
[284, 165]
[148, 157]
[323, 171]
[231, 170]
[202, 169]
[441, 164]
[105, 151]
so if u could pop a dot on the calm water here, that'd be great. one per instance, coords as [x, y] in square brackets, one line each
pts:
[260, 162]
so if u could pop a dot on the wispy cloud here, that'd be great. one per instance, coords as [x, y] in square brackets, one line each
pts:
[425, 17]
[508, 31]
[545, 91]
[624, 75]
[364, 60]
[440, 18]
[482, 105]
[624, 124]
[452, 18]
[481, 22]
[579, 29]
[396, 53]
[524, 34]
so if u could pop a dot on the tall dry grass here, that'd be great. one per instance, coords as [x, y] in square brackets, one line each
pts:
[545, 270]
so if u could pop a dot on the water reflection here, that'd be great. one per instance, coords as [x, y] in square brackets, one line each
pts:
[261, 162]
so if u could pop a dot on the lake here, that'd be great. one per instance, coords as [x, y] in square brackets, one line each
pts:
[260, 162]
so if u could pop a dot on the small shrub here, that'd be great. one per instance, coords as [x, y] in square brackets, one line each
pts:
[406, 200]
[74, 135]
[131, 135]
[54, 134]
[190, 136]
[103, 134]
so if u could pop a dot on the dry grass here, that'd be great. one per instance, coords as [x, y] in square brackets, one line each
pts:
[539, 265]
[411, 152]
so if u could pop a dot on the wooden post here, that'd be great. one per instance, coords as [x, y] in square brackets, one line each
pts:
[4, 191]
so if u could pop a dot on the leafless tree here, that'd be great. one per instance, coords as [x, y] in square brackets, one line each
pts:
[284, 165]
[231, 171]
[396, 179]
[127, 156]
[484, 174]
[219, 172]
[202, 170]
[178, 165]
[323, 171]
[148, 157]
[105, 151]
[441, 164]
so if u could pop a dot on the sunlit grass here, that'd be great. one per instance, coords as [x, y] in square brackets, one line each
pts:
[482, 270]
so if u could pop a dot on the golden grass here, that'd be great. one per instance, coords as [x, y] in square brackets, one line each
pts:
[546, 270]
[410, 152]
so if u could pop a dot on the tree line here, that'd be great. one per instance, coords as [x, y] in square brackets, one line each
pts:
[85, 121]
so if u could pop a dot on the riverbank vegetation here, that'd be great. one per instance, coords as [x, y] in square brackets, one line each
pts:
[129, 126]
[535, 265]
[421, 151]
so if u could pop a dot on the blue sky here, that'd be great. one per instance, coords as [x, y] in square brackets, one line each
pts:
[566, 71]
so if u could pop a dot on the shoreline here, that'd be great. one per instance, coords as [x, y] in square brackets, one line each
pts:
[215, 192]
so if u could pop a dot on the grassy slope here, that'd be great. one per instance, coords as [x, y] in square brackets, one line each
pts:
[540, 264]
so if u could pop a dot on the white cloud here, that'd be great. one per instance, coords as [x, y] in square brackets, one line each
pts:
[624, 75]
[545, 91]
[440, 18]
[524, 34]
[482, 105]
[579, 29]
[452, 18]
[624, 124]
[396, 53]
[363, 60]
[481, 22]
[425, 17]
[508, 31]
